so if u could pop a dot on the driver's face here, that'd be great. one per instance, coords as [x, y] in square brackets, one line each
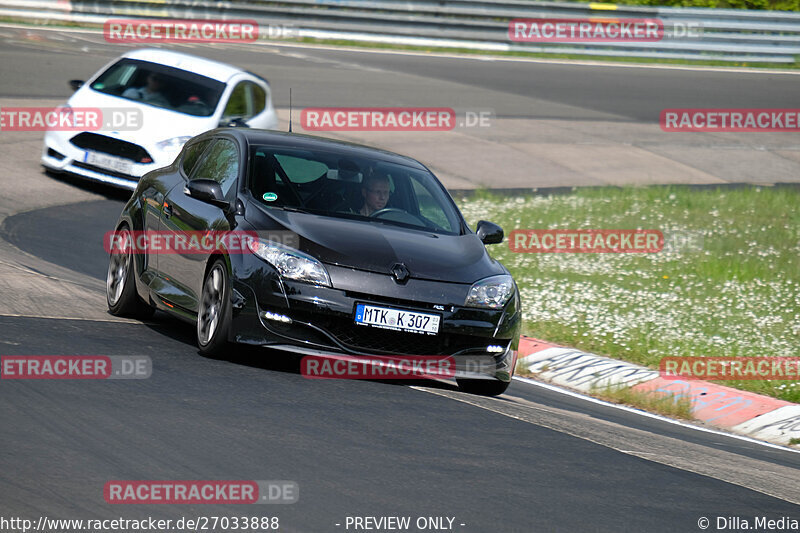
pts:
[376, 195]
[153, 83]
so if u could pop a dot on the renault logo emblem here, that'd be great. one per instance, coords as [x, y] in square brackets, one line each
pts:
[400, 272]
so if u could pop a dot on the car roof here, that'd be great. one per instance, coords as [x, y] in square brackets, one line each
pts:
[298, 141]
[199, 65]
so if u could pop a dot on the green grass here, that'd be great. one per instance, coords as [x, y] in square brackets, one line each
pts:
[736, 293]
[662, 404]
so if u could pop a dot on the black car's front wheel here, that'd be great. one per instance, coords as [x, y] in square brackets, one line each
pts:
[483, 387]
[214, 314]
[120, 282]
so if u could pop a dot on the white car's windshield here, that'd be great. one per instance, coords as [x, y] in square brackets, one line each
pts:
[328, 184]
[161, 86]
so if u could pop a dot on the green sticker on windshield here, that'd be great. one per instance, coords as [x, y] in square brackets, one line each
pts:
[270, 196]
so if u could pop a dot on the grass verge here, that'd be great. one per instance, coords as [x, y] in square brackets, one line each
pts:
[732, 290]
[666, 405]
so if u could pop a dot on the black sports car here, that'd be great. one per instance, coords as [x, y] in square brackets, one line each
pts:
[352, 250]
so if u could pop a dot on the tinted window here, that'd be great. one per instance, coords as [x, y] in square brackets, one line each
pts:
[237, 103]
[328, 184]
[221, 164]
[246, 101]
[192, 155]
[259, 99]
[161, 86]
[429, 207]
[300, 169]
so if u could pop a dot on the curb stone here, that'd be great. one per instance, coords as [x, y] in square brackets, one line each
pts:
[745, 413]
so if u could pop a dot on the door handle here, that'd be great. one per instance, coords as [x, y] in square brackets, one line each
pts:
[167, 210]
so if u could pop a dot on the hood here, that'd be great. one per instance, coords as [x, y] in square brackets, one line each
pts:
[377, 247]
[156, 124]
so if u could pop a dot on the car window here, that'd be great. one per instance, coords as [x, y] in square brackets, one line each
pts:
[246, 101]
[221, 164]
[161, 86]
[330, 184]
[120, 75]
[428, 206]
[237, 106]
[301, 170]
[192, 154]
[259, 98]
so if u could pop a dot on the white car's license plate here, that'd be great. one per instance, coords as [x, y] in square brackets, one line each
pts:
[108, 161]
[397, 319]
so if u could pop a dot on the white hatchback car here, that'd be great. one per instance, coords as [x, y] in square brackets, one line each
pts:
[173, 97]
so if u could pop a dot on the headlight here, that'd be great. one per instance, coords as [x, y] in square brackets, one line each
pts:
[291, 263]
[175, 143]
[493, 292]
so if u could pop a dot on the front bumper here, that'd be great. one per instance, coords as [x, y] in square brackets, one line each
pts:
[61, 156]
[312, 320]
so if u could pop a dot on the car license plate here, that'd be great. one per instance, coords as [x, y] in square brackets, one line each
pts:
[108, 161]
[397, 319]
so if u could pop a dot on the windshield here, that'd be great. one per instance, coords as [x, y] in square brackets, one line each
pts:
[325, 183]
[161, 86]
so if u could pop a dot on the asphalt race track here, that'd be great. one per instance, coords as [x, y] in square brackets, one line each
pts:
[531, 460]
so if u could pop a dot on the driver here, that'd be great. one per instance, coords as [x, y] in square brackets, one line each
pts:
[150, 93]
[375, 190]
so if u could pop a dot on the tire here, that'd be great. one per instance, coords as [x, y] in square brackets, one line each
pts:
[214, 311]
[121, 295]
[483, 387]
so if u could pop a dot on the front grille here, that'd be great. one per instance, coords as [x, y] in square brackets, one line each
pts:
[111, 146]
[383, 341]
[101, 170]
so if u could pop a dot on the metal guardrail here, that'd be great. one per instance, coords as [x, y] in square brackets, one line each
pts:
[727, 34]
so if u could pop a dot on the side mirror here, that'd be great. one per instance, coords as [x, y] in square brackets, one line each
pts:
[489, 233]
[75, 84]
[207, 191]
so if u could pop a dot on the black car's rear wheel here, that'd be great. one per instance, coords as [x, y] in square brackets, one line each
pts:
[120, 282]
[483, 387]
[214, 314]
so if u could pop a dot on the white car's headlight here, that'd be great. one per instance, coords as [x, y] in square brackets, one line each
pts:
[290, 263]
[493, 292]
[175, 143]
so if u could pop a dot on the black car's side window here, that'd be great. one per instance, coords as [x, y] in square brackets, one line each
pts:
[221, 164]
[192, 156]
